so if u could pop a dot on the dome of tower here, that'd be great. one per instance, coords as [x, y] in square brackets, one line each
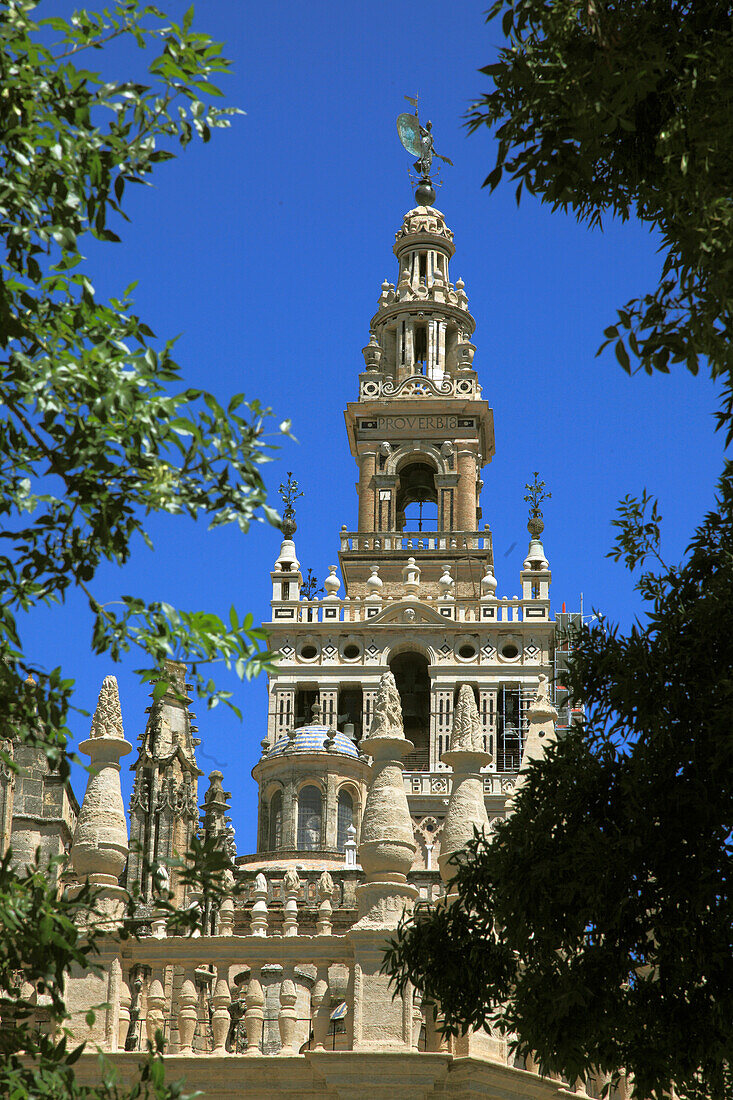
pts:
[311, 739]
[427, 222]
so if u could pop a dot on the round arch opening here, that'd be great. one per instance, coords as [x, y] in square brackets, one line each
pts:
[417, 497]
[412, 677]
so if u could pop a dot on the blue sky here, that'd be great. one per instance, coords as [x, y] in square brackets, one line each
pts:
[266, 250]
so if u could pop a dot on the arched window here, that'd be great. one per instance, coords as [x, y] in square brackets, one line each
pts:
[345, 818]
[276, 821]
[309, 819]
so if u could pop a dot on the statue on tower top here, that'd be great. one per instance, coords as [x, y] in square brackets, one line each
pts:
[419, 141]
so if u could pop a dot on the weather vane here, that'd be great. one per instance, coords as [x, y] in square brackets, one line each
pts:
[418, 140]
[289, 492]
[536, 495]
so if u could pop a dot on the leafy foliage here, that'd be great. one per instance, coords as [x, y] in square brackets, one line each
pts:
[614, 108]
[97, 434]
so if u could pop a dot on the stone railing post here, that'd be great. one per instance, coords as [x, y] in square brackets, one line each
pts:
[187, 1016]
[258, 922]
[226, 917]
[324, 926]
[156, 1007]
[124, 1017]
[220, 1018]
[320, 1006]
[287, 1016]
[254, 1013]
[291, 889]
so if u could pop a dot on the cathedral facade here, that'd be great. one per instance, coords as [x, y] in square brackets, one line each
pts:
[406, 700]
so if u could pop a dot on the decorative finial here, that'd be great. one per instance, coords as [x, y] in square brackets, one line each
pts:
[418, 140]
[466, 732]
[387, 717]
[535, 497]
[107, 720]
[289, 493]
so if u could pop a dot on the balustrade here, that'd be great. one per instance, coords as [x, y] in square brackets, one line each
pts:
[489, 610]
[236, 994]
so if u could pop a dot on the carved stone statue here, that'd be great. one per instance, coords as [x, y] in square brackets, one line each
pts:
[162, 882]
[543, 690]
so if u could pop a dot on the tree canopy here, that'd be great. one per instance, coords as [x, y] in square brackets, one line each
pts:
[596, 925]
[97, 433]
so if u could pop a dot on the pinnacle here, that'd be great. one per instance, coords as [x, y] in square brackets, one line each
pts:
[107, 720]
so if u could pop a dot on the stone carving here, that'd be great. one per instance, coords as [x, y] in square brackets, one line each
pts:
[387, 717]
[466, 811]
[325, 908]
[291, 881]
[100, 846]
[387, 846]
[162, 883]
[419, 386]
[420, 221]
[291, 889]
[466, 732]
[543, 695]
[258, 922]
[107, 720]
[325, 886]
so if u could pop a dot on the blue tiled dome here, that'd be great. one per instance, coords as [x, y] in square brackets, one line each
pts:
[310, 739]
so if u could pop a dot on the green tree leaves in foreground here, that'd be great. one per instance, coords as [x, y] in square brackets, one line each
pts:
[97, 433]
[597, 924]
[621, 109]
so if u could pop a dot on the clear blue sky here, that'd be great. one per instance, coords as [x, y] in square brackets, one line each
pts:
[266, 249]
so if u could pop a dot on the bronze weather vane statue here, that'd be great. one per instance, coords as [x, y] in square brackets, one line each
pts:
[419, 141]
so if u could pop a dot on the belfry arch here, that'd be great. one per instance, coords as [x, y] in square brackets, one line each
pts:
[412, 676]
[416, 495]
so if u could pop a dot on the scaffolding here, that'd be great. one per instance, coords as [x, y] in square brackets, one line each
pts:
[566, 624]
[512, 722]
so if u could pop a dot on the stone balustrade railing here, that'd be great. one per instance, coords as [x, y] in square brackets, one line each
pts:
[488, 610]
[226, 994]
[415, 542]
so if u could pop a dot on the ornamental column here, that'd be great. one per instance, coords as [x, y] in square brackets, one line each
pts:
[386, 852]
[367, 491]
[466, 503]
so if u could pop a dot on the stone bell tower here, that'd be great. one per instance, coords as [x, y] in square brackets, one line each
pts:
[420, 595]
[420, 431]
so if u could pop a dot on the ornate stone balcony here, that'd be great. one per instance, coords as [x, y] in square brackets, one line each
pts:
[357, 610]
[416, 542]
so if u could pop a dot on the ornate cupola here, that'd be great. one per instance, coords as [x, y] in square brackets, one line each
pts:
[420, 431]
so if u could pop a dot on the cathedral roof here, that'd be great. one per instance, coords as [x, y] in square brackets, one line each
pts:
[310, 739]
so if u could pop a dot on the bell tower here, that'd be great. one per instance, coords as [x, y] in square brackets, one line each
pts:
[419, 595]
[420, 432]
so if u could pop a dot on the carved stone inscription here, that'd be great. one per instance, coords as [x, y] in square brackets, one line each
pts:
[401, 423]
